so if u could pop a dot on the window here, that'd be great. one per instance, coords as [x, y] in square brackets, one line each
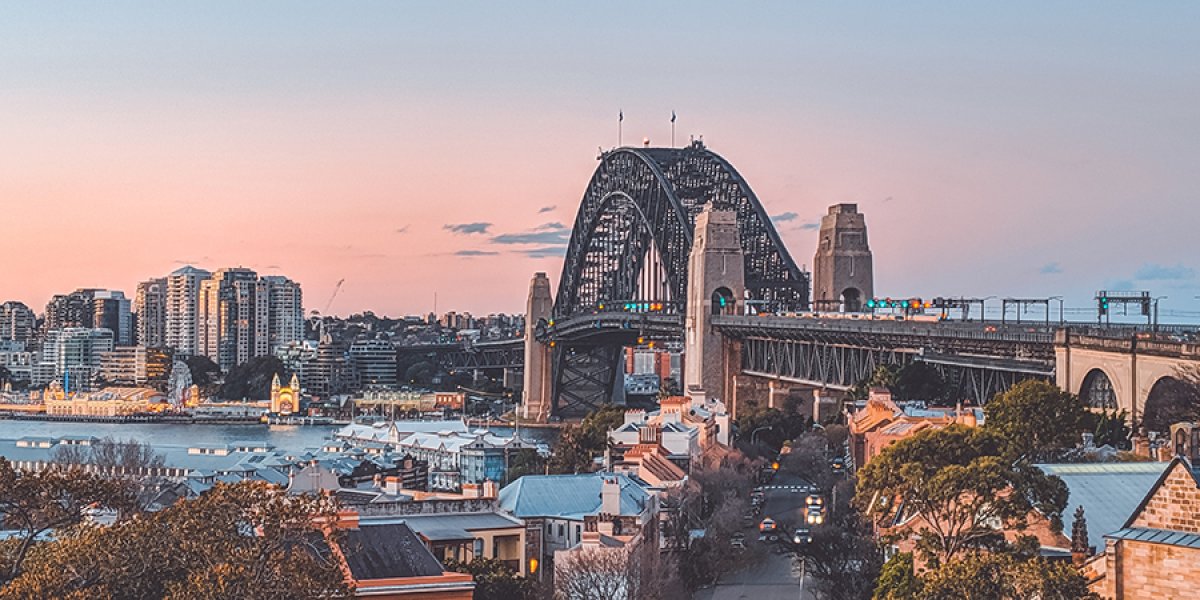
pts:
[549, 529]
[478, 550]
[578, 535]
[560, 530]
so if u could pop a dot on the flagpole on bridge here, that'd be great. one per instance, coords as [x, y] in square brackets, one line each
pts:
[620, 125]
[672, 129]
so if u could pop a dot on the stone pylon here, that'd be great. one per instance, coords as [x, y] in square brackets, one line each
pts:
[535, 404]
[842, 276]
[716, 285]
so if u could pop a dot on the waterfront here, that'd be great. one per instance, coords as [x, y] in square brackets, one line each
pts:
[284, 437]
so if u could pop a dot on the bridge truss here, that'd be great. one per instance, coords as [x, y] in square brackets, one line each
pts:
[630, 244]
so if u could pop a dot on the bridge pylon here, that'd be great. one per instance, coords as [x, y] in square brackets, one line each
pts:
[716, 285]
[536, 401]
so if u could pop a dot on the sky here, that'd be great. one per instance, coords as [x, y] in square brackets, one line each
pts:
[414, 149]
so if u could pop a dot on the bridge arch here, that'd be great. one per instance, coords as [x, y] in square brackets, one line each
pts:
[1169, 401]
[630, 246]
[646, 199]
[1097, 390]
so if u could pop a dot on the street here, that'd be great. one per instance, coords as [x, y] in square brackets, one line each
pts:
[779, 575]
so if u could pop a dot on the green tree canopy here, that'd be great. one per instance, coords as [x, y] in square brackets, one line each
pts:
[248, 540]
[579, 445]
[1003, 577]
[1036, 420]
[958, 482]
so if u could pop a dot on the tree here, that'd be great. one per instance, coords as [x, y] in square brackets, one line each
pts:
[252, 379]
[958, 483]
[1000, 576]
[773, 427]
[249, 540]
[898, 579]
[579, 445]
[884, 376]
[1178, 400]
[1036, 419]
[843, 558]
[639, 572]
[495, 580]
[1079, 535]
[919, 381]
[1110, 428]
[57, 499]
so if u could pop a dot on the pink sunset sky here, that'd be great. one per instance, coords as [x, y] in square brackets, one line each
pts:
[1021, 149]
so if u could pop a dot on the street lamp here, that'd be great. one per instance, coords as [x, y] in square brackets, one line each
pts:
[755, 432]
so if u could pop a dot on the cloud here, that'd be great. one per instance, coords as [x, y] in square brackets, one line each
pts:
[811, 226]
[1050, 269]
[468, 228]
[402, 229]
[544, 252]
[785, 217]
[545, 209]
[470, 253]
[546, 234]
[1156, 272]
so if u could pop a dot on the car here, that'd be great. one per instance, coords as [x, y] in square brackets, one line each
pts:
[738, 541]
[814, 515]
[838, 464]
[814, 500]
[768, 525]
[802, 536]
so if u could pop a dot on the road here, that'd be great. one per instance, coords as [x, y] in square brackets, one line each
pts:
[779, 576]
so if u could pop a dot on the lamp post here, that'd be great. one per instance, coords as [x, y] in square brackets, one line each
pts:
[755, 432]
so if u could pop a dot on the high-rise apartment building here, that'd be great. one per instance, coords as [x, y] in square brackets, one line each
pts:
[286, 312]
[70, 310]
[183, 302]
[17, 322]
[73, 355]
[136, 366]
[150, 307]
[374, 362]
[111, 310]
[227, 315]
[92, 308]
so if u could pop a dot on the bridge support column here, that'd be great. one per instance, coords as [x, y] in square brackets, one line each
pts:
[716, 285]
[536, 399]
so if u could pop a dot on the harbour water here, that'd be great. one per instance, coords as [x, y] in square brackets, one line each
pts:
[284, 437]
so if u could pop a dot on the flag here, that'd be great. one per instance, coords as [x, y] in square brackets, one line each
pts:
[672, 116]
[621, 116]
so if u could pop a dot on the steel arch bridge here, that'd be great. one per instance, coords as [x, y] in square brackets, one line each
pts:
[630, 243]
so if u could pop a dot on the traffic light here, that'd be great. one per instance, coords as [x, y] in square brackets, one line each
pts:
[1103, 305]
[871, 303]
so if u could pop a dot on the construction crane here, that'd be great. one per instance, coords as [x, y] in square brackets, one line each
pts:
[337, 288]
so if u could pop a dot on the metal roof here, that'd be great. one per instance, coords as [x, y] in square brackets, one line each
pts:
[448, 521]
[568, 496]
[1158, 536]
[1108, 492]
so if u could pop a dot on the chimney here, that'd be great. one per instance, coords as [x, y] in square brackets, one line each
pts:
[471, 490]
[610, 496]
[391, 485]
[490, 489]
